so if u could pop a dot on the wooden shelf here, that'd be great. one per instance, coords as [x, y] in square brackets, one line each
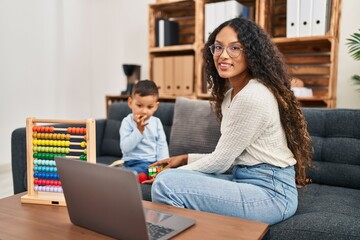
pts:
[204, 96]
[174, 6]
[303, 40]
[172, 49]
[110, 99]
[313, 59]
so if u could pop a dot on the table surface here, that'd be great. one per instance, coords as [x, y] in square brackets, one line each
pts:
[33, 221]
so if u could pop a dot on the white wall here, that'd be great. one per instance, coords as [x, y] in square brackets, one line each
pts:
[347, 94]
[59, 58]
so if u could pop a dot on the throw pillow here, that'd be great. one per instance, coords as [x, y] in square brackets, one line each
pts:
[195, 128]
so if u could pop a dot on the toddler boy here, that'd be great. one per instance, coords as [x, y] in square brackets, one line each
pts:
[142, 137]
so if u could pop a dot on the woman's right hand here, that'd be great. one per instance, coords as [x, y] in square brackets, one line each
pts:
[172, 162]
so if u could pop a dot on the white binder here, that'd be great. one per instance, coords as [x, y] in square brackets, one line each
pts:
[210, 11]
[305, 18]
[320, 17]
[214, 16]
[233, 9]
[292, 18]
[161, 32]
[220, 14]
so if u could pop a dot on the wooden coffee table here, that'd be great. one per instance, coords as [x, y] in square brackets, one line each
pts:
[31, 221]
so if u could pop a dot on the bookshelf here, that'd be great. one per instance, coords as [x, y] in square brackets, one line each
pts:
[312, 59]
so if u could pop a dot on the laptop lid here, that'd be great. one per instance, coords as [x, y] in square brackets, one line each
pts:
[108, 200]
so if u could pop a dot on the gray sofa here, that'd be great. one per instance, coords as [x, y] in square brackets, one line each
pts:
[329, 208]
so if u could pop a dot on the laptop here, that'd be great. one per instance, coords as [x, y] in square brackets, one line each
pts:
[108, 201]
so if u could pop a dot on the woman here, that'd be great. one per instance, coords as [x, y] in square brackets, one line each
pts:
[263, 134]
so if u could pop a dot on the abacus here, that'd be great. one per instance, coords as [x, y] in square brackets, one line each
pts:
[44, 143]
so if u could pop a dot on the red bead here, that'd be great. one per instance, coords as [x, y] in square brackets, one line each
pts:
[142, 177]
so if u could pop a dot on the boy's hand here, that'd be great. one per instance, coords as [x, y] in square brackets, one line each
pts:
[150, 181]
[140, 122]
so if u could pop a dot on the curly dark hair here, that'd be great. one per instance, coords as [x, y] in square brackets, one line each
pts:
[265, 63]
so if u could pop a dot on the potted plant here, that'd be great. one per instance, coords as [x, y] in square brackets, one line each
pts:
[354, 50]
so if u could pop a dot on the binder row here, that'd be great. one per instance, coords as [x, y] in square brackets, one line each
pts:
[219, 12]
[307, 17]
[166, 32]
[174, 75]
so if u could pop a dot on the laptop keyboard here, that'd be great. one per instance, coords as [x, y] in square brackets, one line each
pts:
[156, 231]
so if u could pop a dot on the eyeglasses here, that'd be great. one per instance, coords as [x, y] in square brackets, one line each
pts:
[233, 51]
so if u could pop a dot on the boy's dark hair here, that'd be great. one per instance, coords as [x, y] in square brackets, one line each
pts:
[145, 88]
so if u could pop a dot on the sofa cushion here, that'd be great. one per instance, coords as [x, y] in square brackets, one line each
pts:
[111, 140]
[324, 212]
[195, 127]
[336, 139]
[165, 113]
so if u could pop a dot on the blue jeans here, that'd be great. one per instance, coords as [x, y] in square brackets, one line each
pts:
[262, 193]
[138, 166]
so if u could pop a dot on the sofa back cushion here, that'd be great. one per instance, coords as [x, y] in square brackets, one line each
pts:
[335, 134]
[119, 110]
[165, 113]
[195, 128]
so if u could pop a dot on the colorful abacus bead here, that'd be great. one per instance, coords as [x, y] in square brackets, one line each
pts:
[43, 129]
[76, 130]
[83, 144]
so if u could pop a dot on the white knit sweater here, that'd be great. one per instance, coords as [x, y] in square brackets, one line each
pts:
[251, 133]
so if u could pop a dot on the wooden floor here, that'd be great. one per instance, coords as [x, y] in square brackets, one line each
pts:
[6, 185]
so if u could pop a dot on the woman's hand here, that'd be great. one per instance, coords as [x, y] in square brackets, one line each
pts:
[172, 162]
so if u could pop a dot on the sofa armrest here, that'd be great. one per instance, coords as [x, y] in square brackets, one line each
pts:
[100, 130]
[18, 159]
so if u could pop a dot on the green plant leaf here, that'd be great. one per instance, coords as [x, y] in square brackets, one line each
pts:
[354, 45]
[356, 78]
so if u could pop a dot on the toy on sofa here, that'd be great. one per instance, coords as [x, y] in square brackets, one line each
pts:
[44, 143]
[142, 177]
[153, 171]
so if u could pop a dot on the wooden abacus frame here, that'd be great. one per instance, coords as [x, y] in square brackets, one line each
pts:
[53, 198]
